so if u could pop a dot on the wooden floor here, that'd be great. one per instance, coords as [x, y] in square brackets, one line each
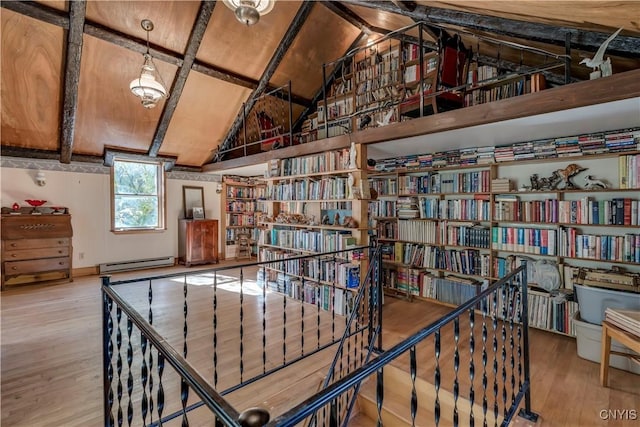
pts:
[52, 371]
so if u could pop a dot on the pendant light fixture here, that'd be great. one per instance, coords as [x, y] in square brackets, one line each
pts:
[249, 11]
[149, 86]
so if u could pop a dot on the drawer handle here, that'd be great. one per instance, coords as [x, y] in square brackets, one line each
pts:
[60, 252]
[14, 255]
[60, 242]
[61, 263]
[14, 268]
[13, 245]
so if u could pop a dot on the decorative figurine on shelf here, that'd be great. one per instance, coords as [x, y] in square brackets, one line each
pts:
[567, 173]
[601, 68]
[336, 219]
[350, 222]
[591, 183]
[353, 156]
[325, 220]
[541, 184]
[15, 207]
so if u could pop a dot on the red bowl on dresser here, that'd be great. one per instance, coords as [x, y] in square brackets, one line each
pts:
[35, 203]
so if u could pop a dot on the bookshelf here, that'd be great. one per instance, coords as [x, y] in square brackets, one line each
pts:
[242, 201]
[309, 202]
[448, 229]
[370, 86]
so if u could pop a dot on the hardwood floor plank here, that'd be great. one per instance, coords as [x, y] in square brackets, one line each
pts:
[51, 366]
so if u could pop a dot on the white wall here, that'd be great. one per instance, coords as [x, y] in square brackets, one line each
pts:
[88, 197]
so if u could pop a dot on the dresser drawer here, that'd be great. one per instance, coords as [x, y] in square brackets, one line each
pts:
[20, 255]
[36, 266]
[36, 226]
[9, 245]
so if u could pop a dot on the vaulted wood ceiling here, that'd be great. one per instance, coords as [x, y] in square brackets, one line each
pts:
[66, 67]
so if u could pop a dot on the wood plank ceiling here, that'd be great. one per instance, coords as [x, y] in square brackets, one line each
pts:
[66, 70]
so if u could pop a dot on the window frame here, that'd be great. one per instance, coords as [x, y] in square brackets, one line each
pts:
[161, 195]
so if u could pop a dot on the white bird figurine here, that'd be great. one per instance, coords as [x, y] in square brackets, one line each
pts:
[386, 118]
[598, 59]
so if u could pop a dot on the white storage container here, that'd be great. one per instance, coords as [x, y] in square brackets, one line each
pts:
[594, 301]
[589, 342]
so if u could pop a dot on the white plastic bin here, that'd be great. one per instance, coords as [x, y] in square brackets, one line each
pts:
[589, 342]
[594, 301]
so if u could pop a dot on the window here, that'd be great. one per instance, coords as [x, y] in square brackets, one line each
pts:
[137, 195]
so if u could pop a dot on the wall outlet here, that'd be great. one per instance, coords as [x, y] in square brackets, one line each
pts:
[80, 255]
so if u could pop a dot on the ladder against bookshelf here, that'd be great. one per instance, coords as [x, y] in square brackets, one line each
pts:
[438, 222]
[315, 205]
[242, 202]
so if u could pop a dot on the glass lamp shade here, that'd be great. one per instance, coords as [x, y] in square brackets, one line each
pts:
[249, 11]
[146, 87]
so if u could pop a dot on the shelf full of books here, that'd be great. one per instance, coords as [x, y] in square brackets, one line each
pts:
[242, 202]
[571, 203]
[316, 205]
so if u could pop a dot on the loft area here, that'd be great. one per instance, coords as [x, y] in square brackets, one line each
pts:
[379, 84]
[68, 93]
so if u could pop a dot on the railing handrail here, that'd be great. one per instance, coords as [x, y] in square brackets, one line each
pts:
[214, 401]
[233, 267]
[308, 407]
[353, 315]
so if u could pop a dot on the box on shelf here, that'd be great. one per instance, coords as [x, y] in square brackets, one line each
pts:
[594, 301]
[589, 343]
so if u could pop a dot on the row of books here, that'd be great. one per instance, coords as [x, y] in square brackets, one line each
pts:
[382, 208]
[625, 248]
[546, 313]
[617, 211]
[246, 192]
[596, 143]
[540, 241]
[333, 160]
[476, 209]
[239, 219]
[418, 231]
[465, 235]
[333, 187]
[241, 206]
[308, 240]
[466, 261]
[450, 289]
[326, 270]
[326, 297]
[495, 93]
[629, 171]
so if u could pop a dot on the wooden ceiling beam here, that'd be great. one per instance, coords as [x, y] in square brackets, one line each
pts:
[53, 16]
[624, 46]
[170, 105]
[352, 18]
[281, 50]
[77, 14]
[38, 11]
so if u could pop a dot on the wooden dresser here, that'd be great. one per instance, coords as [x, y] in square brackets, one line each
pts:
[36, 247]
[198, 241]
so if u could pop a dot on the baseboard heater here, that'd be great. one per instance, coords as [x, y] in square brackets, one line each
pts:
[112, 267]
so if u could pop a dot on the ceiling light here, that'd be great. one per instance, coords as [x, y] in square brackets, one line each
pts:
[149, 86]
[249, 11]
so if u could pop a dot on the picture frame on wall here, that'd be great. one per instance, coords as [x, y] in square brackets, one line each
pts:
[192, 197]
[198, 212]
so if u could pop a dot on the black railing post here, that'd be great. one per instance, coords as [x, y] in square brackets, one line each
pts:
[378, 287]
[567, 59]
[106, 356]
[421, 71]
[244, 127]
[290, 117]
[526, 411]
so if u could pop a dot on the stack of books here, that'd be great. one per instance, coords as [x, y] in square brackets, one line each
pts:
[501, 185]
